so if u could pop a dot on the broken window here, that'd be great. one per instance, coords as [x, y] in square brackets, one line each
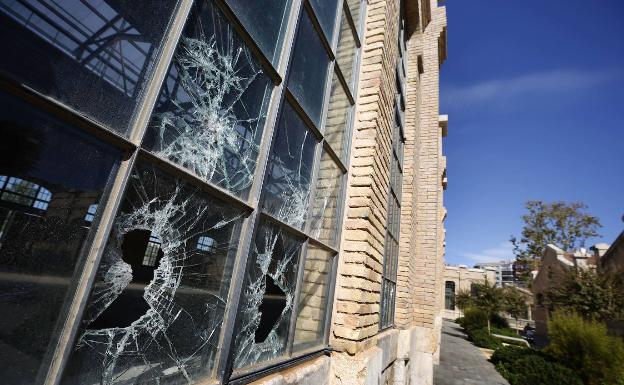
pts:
[290, 169]
[92, 55]
[324, 220]
[313, 298]
[211, 110]
[44, 199]
[268, 297]
[156, 308]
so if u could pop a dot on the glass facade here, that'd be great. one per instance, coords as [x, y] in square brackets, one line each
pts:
[171, 186]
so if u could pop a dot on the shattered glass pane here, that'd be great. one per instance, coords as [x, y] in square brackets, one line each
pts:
[95, 56]
[324, 219]
[156, 308]
[289, 170]
[44, 198]
[268, 297]
[308, 69]
[211, 110]
[266, 22]
[313, 298]
[337, 118]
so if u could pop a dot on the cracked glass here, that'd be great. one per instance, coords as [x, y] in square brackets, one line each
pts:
[212, 107]
[94, 56]
[308, 69]
[265, 21]
[156, 308]
[287, 188]
[268, 297]
[325, 207]
[313, 298]
[44, 199]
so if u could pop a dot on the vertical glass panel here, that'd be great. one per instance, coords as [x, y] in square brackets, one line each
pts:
[324, 220]
[266, 21]
[313, 298]
[325, 11]
[157, 305]
[345, 53]
[268, 298]
[211, 111]
[308, 69]
[337, 118]
[289, 170]
[355, 7]
[50, 176]
[92, 55]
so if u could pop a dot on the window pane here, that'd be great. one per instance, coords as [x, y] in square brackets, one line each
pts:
[325, 11]
[313, 298]
[289, 170]
[211, 109]
[355, 6]
[92, 55]
[308, 70]
[265, 21]
[337, 118]
[50, 175]
[324, 221]
[158, 301]
[345, 53]
[268, 297]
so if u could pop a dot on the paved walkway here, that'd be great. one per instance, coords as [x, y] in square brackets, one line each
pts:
[461, 362]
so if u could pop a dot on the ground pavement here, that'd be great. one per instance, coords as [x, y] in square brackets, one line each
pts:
[461, 362]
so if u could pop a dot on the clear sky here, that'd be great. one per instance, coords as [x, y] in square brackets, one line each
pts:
[534, 91]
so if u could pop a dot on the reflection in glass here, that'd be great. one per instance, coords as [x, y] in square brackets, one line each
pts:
[325, 11]
[50, 174]
[266, 22]
[157, 305]
[93, 55]
[355, 7]
[308, 69]
[269, 291]
[211, 109]
[289, 170]
[324, 220]
[345, 53]
[337, 118]
[313, 298]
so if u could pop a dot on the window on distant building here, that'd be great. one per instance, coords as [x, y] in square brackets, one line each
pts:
[449, 295]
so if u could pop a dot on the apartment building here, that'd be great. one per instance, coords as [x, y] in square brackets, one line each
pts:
[221, 191]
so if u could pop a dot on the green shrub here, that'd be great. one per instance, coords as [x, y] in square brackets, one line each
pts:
[586, 347]
[498, 321]
[482, 338]
[504, 332]
[508, 354]
[474, 319]
[460, 321]
[533, 369]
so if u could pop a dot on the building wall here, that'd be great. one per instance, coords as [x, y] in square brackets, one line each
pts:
[406, 353]
[464, 278]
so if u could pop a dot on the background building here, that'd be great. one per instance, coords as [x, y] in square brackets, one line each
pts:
[504, 272]
[462, 278]
[221, 191]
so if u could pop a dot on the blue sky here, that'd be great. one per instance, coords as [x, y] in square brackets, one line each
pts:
[535, 95]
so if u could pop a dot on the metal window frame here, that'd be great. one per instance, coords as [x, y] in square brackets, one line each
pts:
[51, 371]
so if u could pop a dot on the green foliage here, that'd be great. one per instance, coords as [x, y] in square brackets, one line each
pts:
[504, 332]
[585, 346]
[482, 338]
[463, 300]
[514, 303]
[489, 299]
[533, 369]
[566, 225]
[473, 319]
[592, 295]
[510, 354]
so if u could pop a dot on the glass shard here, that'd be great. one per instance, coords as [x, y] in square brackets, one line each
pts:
[157, 305]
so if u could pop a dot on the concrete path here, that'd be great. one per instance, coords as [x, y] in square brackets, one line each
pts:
[461, 362]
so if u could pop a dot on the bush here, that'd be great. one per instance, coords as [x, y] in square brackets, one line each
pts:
[533, 369]
[508, 354]
[586, 347]
[474, 319]
[498, 321]
[482, 338]
[505, 332]
[460, 321]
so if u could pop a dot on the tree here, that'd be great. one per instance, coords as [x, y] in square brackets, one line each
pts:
[489, 299]
[592, 295]
[463, 300]
[514, 304]
[566, 225]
